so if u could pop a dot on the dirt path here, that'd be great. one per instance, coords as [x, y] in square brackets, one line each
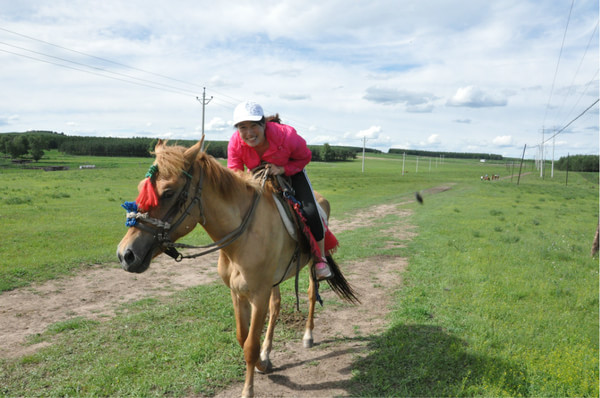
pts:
[323, 370]
[94, 294]
[341, 336]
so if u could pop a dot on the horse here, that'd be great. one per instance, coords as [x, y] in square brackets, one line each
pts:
[241, 217]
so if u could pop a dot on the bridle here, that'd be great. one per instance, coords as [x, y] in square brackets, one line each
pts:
[162, 228]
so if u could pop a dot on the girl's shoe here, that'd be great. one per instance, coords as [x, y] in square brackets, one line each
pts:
[322, 270]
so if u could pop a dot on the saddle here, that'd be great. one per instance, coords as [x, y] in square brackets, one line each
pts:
[293, 217]
[285, 200]
[292, 214]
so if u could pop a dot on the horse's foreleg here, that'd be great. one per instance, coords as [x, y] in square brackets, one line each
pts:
[241, 308]
[252, 344]
[274, 306]
[307, 340]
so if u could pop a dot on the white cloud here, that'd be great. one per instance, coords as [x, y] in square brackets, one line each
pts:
[415, 101]
[294, 96]
[434, 139]
[327, 67]
[503, 140]
[216, 124]
[474, 97]
[370, 133]
[7, 120]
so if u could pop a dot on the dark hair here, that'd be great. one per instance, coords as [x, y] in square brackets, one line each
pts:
[273, 118]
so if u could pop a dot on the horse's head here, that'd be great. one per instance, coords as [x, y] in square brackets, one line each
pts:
[166, 208]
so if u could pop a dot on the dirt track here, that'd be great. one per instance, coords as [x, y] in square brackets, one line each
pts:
[324, 370]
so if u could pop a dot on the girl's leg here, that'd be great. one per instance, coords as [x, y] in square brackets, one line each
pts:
[305, 194]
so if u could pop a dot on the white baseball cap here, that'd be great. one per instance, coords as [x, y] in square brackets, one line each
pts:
[247, 110]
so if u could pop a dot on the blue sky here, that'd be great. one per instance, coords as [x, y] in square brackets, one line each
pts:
[460, 76]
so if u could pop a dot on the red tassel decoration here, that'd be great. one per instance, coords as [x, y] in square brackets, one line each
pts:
[331, 242]
[147, 198]
[314, 247]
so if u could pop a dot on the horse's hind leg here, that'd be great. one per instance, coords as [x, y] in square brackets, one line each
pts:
[274, 306]
[307, 340]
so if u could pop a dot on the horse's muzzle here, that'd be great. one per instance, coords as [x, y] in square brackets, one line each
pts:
[132, 261]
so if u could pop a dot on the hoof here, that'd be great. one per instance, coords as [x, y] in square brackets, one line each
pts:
[248, 392]
[264, 366]
[308, 343]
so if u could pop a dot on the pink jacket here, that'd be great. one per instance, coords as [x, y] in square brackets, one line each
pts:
[286, 149]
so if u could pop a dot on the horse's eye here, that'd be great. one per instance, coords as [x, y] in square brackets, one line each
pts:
[168, 194]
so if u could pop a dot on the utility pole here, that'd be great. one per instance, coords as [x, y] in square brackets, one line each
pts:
[521, 166]
[542, 156]
[363, 158]
[204, 102]
[552, 172]
[403, 159]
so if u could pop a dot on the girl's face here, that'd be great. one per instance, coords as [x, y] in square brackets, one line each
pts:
[252, 133]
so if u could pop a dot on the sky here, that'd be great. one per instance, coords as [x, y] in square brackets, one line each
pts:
[438, 75]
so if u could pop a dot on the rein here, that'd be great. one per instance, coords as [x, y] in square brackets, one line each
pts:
[221, 243]
[161, 228]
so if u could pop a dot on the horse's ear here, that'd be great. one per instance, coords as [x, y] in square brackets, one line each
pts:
[192, 152]
[160, 143]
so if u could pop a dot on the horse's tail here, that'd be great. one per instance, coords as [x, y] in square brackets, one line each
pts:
[339, 284]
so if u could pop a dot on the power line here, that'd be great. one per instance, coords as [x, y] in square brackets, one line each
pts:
[92, 67]
[179, 90]
[558, 62]
[99, 58]
[571, 122]
[572, 85]
[224, 100]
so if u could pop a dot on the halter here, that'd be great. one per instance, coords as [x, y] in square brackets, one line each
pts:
[161, 229]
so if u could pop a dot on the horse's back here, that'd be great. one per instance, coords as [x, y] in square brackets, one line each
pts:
[324, 203]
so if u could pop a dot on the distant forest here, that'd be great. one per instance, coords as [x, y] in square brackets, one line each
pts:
[456, 155]
[579, 163]
[32, 144]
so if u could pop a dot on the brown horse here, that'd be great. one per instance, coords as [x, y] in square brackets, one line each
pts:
[240, 215]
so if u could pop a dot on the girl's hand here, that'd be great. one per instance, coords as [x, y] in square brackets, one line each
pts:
[275, 170]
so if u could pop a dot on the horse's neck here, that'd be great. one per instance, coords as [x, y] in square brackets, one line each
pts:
[221, 216]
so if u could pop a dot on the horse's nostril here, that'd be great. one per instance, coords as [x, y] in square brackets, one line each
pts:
[129, 256]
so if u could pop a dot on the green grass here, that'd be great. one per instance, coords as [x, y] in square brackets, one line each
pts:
[175, 346]
[53, 223]
[500, 298]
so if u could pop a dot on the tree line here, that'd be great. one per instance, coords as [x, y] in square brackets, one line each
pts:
[33, 144]
[579, 163]
[456, 155]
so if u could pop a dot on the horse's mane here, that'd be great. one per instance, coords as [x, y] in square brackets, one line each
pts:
[231, 184]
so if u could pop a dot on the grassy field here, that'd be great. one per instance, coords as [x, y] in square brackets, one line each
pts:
[501, 295]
